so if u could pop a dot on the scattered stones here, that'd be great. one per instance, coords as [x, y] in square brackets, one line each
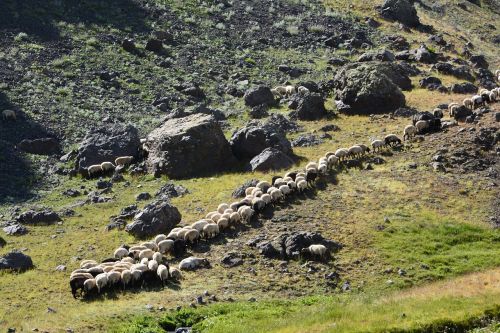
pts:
[60, 268]
[103, 184]
[143, 196]
[330, 128]
[170, 190]
[46, 216]
[479, 61]
[381, 55]
[430, 82]
[15, 229]
[425, 55]
[306, 140]
[156, 218]
[71, 193]
[270, 159]
[437, 166]
[16, 261]
[259, 111]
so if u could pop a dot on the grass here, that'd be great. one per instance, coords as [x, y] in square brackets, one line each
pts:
[431, 308]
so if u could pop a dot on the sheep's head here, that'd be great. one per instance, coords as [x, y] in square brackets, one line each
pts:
[205, 263]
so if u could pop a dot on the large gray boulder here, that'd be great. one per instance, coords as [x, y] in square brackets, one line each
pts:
[106, 144]
[43, 146]
[270, 159]
[311, 107]
[251, 140]
[46, 216]
[16, 261]
[156, 218]
[259, 95]
[188, 146]
[400, 10]
[366, 89]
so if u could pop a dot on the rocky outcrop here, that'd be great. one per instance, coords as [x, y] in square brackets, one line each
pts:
[463, 88]
[310, 107]
[43, 146]
[188, 146]
[400, 10]
[251, 140]
[16, 261]
[259, 95]
[46, 216]
[270, 159]
[156, 218]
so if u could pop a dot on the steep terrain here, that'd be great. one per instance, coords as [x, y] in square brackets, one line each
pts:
[404, 219]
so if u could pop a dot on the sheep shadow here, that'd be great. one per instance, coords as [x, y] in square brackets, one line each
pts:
[21, 16]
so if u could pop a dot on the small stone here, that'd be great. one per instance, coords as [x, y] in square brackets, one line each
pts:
[61, 268]
[401, 272]
[199, 300]
[389, 281]
[143, 196]
[206, 293]
[346, 286]
[252, 299]
[386, 219]
[149, 307]
[51, 310]
[213, 298]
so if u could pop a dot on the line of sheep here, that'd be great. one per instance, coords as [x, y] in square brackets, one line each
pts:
[104, 167]
[145, 264]
[289, 90]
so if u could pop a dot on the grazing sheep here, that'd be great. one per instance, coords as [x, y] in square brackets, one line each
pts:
[450, 106]
[165, 246]
[246, 213]
[193, 263]
[136, 277]
[249, 190]
[182, 232]
[316, 250]
[453, 110]
[158, 257]
[153, 265]
[258, 204]
[120, 253]
[438, 113]
[409, 132]
[192, 236]
[302, 90]
[139, 267]
[355, 151]
[175, 273]
[311, 175]
[150, 245]
[291, 174]
[323, 168]
[223, 223]
[128, 260]
[9, 115]
[89, 286]
[211, 230]
[477, 101]
[235, 217]
[341, 153]
[421, 125]
[198, 225]
[281, 90]
[492, 96]
[377, 144]
[391, 139]
[124, 160]
[94, 169]
[159, 238]
[275, 93]
[163, 273]
[263, 185]
[126, 278]
[88, 263]
[101, 281]
[332, 161]
[114, 278]
[222, 207]
[468, 103]
[77, 280]
[148, 254]
[107, 166]
[290, 90]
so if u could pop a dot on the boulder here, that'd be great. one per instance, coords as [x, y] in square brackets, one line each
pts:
[251, 140]
[311, 85]
[170, 190]
[43, 146]
[46, 216]
[188, 146]
[311, 107]
[157, 217]
[462, 113]
[365, 89]
[400, 10]
[478, 61]
[154, 45]
[434, 122]
[462, 72]
[16, 261]
[239, 192]
[15, 229]
[106, 144]
[259, 95]
[425, 55]
[128, 45]
[463, 88]
[259, 111]
[405, 112]
[283, 123]
[143, 196]
[270, 159]
[381, 55]
[306, 140]
[430, 82]
[486, 78]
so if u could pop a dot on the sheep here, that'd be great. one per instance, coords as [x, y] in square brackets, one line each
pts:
[192, 236]
[222, 207]
[302, 90]
[9, 115]
[158, 257]
[377, 144]
[291, 174]
[266, 198]
[77, 280]
[292, 185]
[136, 276]
[275, 93]
[198, 225]
[421, 125]
[341, 153]
[89, 286]
[94, 169]
[276, 195]
[159, 238]
[285, 189]
[120, 253]
[450, 106]
[107, 166]
[128, 260]
[94, 271]
[249, 190]
[211, 230]
[114, 278]
[355, 151]
[150, 245]
[126, 278]
[101, 281]
[165, 246]
[152, 265]
[281, 90]
[290, 90]
[123, 160]
[163, 273]
[88, 263]
[492, 96]
[438, 113]
[263, 185]
[468, 103]
[316, 250]
[311, 175]
[301, 185]
[175, 273]
[139, 267]
[332, 161]
[182, 232]
[409, 132]
[246, 213]
[391, 139]
[193, 263]
[148, 254]
[144, 261]
[216, 217]
[235, 217]
[477, 100]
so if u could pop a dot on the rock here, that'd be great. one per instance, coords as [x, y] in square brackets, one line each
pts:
[462, 72]
[330, 128]
[60, 268]
[46, 216]
[437, 39]
[282, 123]
[259, 111]
[143, 196]
[400, 10]
[346, 286]
[430, 82]
[129, 211]
[154, 45]
[306, 140]
[337, 61]
[194, 91]
[217, 114]
[259, 95]
[372, 23]
[479, 61]
[184, 330]
[232, 260]
[103, 184]
[365, 89]
[43, 146]
[270, 159]
[156, 218]
[405, 112]
[462, 112]
[497, 116]
[199, 300]
[403, 55]
[189, 146]
[311, 107]
[438, 166]
[16, 261]
[129, 45]
[106, 144]
[239, 192]
[251, 140]
[268, 250]
[449, 123]
[434, 122]
[311, 85]
[15, 229]
[2, 242]
[380, 55]
[463, 88]
[486, 78]
[170, 190]
[425, 55]
[71, 193]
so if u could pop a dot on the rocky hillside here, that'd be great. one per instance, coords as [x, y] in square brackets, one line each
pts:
[202, 99]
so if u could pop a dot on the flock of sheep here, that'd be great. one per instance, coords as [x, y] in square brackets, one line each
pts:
[289, 90]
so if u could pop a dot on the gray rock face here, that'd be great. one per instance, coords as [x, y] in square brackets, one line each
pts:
[259, 95]
[400, 10]
[188, 146]
[479, 61]
[251, 140]
[46, 216]
[157, 217]
[381, 55]
[15, 229]
[270, 159]
[423, 54]
[365, 89]
[239, 192]
[461, 72]
[43, 146]
[106, 144]
[307, 140]
[462, 112]
[311, 107]
[16, 261]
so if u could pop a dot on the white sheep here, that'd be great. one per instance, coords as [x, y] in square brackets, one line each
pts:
[235, 217]
[126, 277]
[150, 245]
[323, 168]
[246, 213]
[198, 225]
[281, 90]
[101, 281]
[175, 273]
[89, 285]
[182, 232]
[285, 190]
[263, 185]
[409, 132]
[107, 166]
[453, 110]
[94, 169]
[211, 230]
[222, 207]
[290, 90]
[158, 257]
[9, 115]
[377, 144]
[301, 185]
[153, 265]
[450, 106]
[193, 263]
[120, 253]
[302, 90]
[341, 153]
[124, 160]
[468, 103]
[492, 96]
[421, 125]
[355, 151]
[88, 263]
[128, 260]
[275, 93]
[317, 250]
[223, 223]
[249, 190]
[162, 272]
[477, 100]
[192, 236]
[165, 246]
[332, 161]
[148, 254]
[159, 238]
